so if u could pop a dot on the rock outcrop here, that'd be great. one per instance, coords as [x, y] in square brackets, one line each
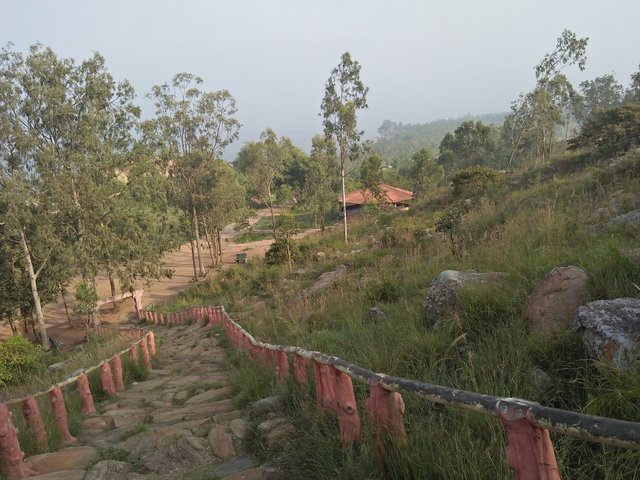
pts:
[552, 305]
[611, 330]
[441, 301]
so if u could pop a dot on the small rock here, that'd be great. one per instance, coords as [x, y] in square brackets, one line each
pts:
[239, 428]
[71, 458]
[611, 330]
[209, 396]
[227, 417]
[541, 379]
[258, 473]
[321, 256]
[61, 475]
[235, 465]
[221, 442]
[270, 424]
[553, 303]
[374, 314]
[107, 470]
[442, 297]
[278, 434]
[266, 405]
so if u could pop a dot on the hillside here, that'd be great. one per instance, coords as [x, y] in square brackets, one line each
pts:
[397, 141]
[521, 228]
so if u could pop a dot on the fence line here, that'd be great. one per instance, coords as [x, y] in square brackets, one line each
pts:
[11, 456]
[530, 450]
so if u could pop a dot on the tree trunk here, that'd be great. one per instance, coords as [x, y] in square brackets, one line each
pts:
[63, 292]
[201, 271]
[344, 204]
[273, 218]
[112, 282]
[44, 338]
[193, 256]
[289, 255]
[210, 244]
[219, 244]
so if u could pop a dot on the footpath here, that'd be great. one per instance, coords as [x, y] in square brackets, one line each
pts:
[180, 423]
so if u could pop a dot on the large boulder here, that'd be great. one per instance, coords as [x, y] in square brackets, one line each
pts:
[553, 303]
[611, 330]
[441, 301]
[630, 220]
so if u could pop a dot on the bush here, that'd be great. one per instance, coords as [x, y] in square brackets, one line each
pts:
[18, 358]
[277, 253]
[475, 180]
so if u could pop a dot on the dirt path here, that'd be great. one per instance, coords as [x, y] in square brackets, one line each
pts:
[159, 292]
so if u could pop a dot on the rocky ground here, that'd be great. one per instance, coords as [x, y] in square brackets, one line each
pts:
[180, 423]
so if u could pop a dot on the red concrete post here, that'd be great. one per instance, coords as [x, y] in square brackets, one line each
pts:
[11, 457]
[133, 353]
[300, 371]
[84, 392]
[116, 365]
[282, 366]
[386, 410]
[34, 421]
[151, 343]
[145, 354]
[106, 379]
[325, 393]
[60, 414]
[347, 409]
[529, 451]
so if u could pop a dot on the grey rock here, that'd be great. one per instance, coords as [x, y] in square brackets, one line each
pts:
[441, 301]
[630, 219]
[374, 314]
[266, 405]
[107, 470]
[611, 330]
[235, 465]
[324, 281]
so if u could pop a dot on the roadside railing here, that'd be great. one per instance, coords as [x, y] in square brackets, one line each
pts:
[529, 452]
[11, 455]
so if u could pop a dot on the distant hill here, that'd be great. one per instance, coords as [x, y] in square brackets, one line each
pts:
[396, 142]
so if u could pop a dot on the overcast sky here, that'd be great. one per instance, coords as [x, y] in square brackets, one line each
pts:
[422, 60]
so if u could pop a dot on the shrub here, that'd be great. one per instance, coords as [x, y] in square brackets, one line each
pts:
[18, 358]
[475, 180]
[277, 253]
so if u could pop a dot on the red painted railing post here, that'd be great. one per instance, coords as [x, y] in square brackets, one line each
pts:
[347, 409]
[386, 411]
[151, 343]
[529, 451]
[11, 457]
[325, 393]
[106, 379]
[133, 353]
[116, 365]
[34, 421]
[300, 371]
[282, 366]
[60, 414]
[145, 354]
[84, 392]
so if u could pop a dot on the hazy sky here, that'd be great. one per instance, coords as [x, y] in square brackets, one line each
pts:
[422, 60]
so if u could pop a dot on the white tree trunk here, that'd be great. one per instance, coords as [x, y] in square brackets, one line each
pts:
[44, 338]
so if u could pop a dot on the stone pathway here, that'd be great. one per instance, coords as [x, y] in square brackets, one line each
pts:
[178, 424]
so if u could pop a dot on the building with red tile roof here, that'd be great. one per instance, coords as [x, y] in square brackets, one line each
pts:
[389, 196]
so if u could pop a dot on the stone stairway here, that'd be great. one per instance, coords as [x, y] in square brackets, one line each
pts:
[180, 423]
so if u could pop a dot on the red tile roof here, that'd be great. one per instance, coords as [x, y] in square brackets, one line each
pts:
[390, 195]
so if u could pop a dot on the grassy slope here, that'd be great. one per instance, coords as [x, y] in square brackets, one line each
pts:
[522, 230]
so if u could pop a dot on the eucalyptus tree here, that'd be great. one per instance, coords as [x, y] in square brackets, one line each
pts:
[344, 95]
[194, 128]
[426, 174]
[321, 182]
[569, 50]
[601, 93]
[263, 165]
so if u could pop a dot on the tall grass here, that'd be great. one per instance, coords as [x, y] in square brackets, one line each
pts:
[521, 231]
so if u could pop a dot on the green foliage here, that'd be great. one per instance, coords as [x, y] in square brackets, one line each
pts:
[612, 131]
[280, 252]
[472, 143]
[18, 359]
[475, 181]
[425, 174]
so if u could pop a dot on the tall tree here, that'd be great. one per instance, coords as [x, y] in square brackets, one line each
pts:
[472, 143]
[344, 95]
[192, 128]
[569, 50]
[425, 174]
[321, 182]
[601, 93]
